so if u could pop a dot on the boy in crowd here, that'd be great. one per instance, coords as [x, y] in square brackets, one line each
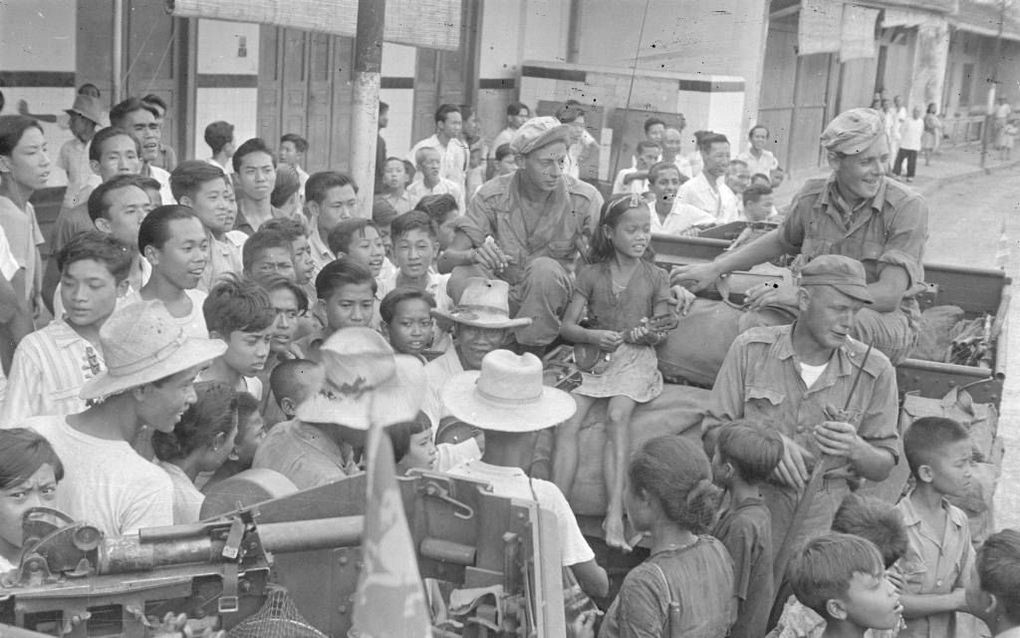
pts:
[346, 292]
[759, 204]
[443, 211]
[840, 577]
[220, 137]
[293, 148]
[251, 429]
[238, 312]
[174, 242]
[151, 370]
[286, 195]
[777, 175]
[506, 161]
[300, 248]
[268, 252]
[141, 121]
[292, 382]
[383, 215]
[289, 305]
[203, 188]
[745, 456]
[255, 166]
[415, 239]
[51, 365]
[397, 174]
[330, 198]
[516, 114]
[938, 562]
[993, 594]
[429, 162]
[407, 321]
[360, 240]
[635, 180]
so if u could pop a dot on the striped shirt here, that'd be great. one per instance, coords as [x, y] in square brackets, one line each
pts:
[49, 368]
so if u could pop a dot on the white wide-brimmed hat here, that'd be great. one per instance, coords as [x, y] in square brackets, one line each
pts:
[142, 343]
[364, 383]
[485, 303]
[507, 395]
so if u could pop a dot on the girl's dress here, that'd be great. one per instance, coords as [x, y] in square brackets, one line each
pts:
[699, 577]
[633, 369]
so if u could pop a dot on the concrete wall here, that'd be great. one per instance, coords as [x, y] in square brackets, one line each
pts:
[398, 61]
[228, 66]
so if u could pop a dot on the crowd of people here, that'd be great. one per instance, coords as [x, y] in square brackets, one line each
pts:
[216, 314]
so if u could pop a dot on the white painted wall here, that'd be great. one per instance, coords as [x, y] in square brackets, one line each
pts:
[237, 106]
[398, 133]
[219, 47]
[37, 35]
[546, 29]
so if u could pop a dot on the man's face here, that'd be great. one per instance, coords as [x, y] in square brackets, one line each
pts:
[367, 249]
[414, 252]
[287, 315]
[871, 600]
[88, 291]
[145, 128]
[350, 305]
[28, 162]
[161, 406]
[273, 260]
[257, 175]
[828, 315]
[452, 125]
[474, 343]
[38, 490]
[717, 159]
[507, 165]
[952, 468]
[655, 132]
[671, 143]
[128, 207]
[430, 165]
[648, 157]
[422, 452]
[515, 121]
[394, 175]
[759, 210]
[119, 156]
[289, 154]
[543, 168]
[411, 329]
[184, 255]
[82, 127]
[304, 266]
[738, 177]
[339, 203]
[860, 176]
[666, 185]
[211, 205]
[247, 351]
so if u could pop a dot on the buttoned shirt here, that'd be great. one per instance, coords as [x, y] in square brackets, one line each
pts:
[302, 453]
[890, 229]
[401, 203]
[224, 257]
[720, 202]
[321, 254]
[418, 189]
[453, 158]
[759, 165]
[934, 565]
[50, 366]
[681, 219]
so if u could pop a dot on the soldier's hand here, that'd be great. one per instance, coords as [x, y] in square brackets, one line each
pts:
[837, 438]
[681, 300]
[792, 469]
[695, 278]
[762, 295]
[489, 255]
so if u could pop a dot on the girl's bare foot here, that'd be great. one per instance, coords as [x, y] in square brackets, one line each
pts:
[613, 526]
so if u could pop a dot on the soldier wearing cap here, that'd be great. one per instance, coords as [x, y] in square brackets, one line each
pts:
[798, 378]
[539, 220]
[856, 212]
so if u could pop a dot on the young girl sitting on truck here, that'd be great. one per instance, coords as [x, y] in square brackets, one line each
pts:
[624, 293]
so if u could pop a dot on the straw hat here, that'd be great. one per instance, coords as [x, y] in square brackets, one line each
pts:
[141, 344]
[507, 395]
[365, 383]
[484, 304]
[87, 107]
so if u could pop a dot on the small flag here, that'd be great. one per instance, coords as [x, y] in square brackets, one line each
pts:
[390, 600]
[1002, 250]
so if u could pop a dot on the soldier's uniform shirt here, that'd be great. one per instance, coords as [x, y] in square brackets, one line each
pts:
[305, 455]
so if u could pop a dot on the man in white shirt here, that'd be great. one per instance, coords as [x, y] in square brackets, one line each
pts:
[430, 165]
[635, 180]
[516, 114]
[453, 152]
[672, 143]
[708, 191]
[142, 122]
[149, 382]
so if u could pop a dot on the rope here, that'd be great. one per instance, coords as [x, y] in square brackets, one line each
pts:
[630, 89]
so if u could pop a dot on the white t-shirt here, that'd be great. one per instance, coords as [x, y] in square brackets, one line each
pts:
[106, 482]
[514, 483]
[187, 499]
[194, 322]
[810, 373]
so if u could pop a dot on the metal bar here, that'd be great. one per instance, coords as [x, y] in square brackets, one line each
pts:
[321, 533]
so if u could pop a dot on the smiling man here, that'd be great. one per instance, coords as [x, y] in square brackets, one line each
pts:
[527, 228]
[141, 121]
[856, 212]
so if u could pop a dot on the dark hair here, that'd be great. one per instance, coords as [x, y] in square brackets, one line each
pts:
[262, 240]
[569, 112]
[89, 89]
[823, 569]
[677, 473]
[400, 434]
[247, 405]
[300, 143]
[650, 122]
[98, 205]
[874, 519]
[293, 228]
[127, 107]
[189, 176]
[12, 129]
[155, 228]
[287, 183]
[515, 108]
[444, 110]
[660, 167]
[340, 238]
[219, 134]
[22, 453]
[148, 184]
[646, 144]
[926, 437]
[383, 212]
[408, 166]
[755, 193]
[342, 272]
[277, 282]
[736, 162]
[998, 569]
[754, 128]
[383, 107]
[285, 379]
[761, 177]
[104, 134]
[397, 296]
[502, 151]
[706, 141]
[155, 100]
[437, 207]
[98, 246]
[214, 412]
[318, 184]
[602, 249]
[413, 220]
[754, 450]
[237, 304]
[254, 145]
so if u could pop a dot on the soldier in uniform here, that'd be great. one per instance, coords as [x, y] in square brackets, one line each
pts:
[527, 228]
[856, 212]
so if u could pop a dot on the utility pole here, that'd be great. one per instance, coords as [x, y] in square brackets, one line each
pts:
[368, 42]
[986, 130]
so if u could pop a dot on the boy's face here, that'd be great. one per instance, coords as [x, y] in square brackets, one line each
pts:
[777, 176]
[183, 258]
[287, 314]
[951, 468]
[648, 157]
[257, 175]
[411, 328]
[414, 252]
[249, 434]
[422, 452]
[88, 292]
[394, 175]
[871, 601]
[312, 379]
[119, 156]
[339, 203]
[273, 260]
[289, 154]
[367, 249]
[247, 351]
[128, 207]
[350, 305]
[759, 210]
[666, 185]
[655, 132]
[304, 267]
[507, 165]
[161, 406]
[211, 205]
